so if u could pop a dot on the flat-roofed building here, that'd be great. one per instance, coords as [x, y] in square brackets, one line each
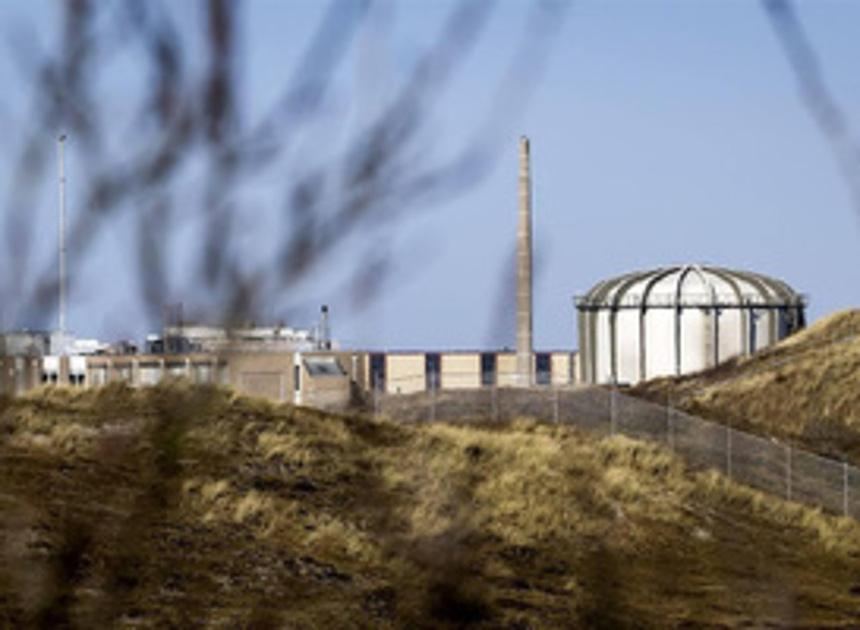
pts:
[411, 371]
[317, 379]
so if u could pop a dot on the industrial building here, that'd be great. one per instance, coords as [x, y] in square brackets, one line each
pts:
[295, 365]
[316, 379]
[666, 321]
[182, 337]
[408, 372]
[319, 378]
[680, 319]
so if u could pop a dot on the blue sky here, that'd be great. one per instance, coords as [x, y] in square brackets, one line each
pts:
[661, 132]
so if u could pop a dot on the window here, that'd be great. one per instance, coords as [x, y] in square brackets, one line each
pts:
[323, 366]
[543, 368]
[432, 371]
[155, 346]
[377, 371]
[488, 369]
[297, 378]
[175, 368]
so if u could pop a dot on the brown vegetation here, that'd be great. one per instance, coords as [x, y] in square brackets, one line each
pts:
[185, 506]
[805, 389]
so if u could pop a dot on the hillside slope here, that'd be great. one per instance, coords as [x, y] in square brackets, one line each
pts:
[195, 507]
[805, 389]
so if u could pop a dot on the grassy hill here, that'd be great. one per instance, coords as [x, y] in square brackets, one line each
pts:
[196, 507]
[805, 390]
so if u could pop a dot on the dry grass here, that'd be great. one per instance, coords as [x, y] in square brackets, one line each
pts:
[227, 511]
[805, 389]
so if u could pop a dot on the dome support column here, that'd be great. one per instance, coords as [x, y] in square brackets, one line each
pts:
[677, 340]
[613, 344]
[642, 345]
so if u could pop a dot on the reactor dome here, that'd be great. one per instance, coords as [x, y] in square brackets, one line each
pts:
[680, 319]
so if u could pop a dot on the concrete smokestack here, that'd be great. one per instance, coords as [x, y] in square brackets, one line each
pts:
[525, 347]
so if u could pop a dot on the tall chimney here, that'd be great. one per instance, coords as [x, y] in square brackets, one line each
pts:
[524, 269]
[324, 341]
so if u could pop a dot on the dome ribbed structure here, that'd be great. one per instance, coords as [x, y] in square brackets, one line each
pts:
[680, 319]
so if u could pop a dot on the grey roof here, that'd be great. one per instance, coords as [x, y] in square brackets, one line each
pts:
[690, 285]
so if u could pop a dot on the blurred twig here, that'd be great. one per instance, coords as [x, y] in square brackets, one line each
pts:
[818, 99]
[189, 117]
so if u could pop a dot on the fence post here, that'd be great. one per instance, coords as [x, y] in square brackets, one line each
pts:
[612, 404]
[728, 452]
[788, 472]
[494, 403]
[376, 400]
[845, 488]
[555, 404]
[670, 427]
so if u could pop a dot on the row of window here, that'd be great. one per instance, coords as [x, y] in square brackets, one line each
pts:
[53, 377]
[151, 373]
[433, 370]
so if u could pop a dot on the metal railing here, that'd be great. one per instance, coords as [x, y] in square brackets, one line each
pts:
[761, 463]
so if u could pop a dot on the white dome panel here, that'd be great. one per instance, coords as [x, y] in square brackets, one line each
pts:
[680, 319]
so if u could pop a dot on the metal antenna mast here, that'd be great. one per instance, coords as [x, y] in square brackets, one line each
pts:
[61, 155]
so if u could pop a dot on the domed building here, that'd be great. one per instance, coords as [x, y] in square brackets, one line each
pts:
[680, 319]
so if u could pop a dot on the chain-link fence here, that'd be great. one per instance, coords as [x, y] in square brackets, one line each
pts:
[761, 463]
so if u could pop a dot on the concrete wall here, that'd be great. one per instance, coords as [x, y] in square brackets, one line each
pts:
[404, 373]
[356, 365]
[506, 369]
[268, 375]
[329, 392]
[461, 370]
[561, 365]
[25, 343]
[147, 369]
[273, 375]
[122, 371]
[324, 391]
[19, 374]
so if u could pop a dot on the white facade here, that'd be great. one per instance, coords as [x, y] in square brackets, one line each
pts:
[256, 339]
[25, 343]
[680, 319]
